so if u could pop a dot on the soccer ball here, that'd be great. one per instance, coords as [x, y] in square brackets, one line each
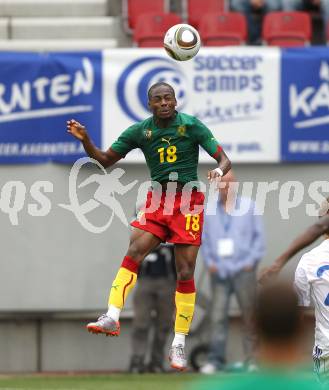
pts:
[182, 42]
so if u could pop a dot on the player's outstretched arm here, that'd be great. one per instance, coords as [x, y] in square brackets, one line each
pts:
[224, 165]
[79, 131]
[308, 237]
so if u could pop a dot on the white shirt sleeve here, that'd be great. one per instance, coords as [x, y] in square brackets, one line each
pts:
[302, 286]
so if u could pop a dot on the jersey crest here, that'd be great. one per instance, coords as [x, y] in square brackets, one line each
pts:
[148, 134]
[181, 130]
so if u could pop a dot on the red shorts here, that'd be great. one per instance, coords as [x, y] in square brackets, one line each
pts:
[174, 218]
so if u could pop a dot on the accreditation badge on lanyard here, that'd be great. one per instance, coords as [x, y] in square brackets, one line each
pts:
[225, 246]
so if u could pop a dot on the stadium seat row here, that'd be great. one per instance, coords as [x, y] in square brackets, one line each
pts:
[191, 10]
[78, 20]
[285, 29]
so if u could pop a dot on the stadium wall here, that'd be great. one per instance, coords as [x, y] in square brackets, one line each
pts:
[56, 274]
[264, 105]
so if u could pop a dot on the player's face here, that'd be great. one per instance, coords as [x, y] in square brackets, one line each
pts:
[162, 102]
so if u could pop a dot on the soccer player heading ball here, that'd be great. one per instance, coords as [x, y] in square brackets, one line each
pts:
[170, 142]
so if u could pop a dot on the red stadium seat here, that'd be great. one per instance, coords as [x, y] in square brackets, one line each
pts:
[287, 29]
[132, 9]
[194, 9]
[150, 28]
[223, 29]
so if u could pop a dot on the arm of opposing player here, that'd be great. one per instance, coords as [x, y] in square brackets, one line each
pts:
[303, 240]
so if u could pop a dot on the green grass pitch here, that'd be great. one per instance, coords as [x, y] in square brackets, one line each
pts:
[99, 382]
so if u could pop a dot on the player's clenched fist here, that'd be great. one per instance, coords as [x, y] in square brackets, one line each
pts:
[214, 175]
[76, 129]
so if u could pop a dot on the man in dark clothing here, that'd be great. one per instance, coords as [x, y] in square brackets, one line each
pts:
[153, 305]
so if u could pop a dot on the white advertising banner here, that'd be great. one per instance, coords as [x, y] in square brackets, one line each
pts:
[234, 91]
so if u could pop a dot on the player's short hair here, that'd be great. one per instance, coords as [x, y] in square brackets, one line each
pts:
[159, 84]
[277, 315]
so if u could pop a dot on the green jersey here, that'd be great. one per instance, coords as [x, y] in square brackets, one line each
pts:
[171, 149]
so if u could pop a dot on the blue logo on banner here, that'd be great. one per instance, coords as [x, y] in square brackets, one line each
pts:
[305, 104]
[38, 94]
[137, 78]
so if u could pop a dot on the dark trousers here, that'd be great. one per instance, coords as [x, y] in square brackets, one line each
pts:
[153, 306]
